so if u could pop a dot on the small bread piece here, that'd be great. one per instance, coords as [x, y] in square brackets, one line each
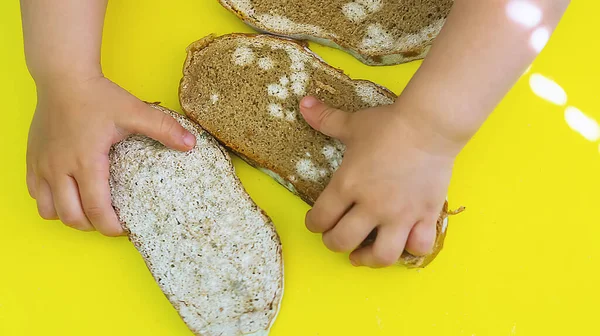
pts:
[377, 32]
[212, 251]
[245, 90]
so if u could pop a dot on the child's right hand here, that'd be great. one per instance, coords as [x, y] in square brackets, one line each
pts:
[75, 124]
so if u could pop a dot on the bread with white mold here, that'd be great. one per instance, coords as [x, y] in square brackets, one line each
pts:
[245, 90]
[213, 252]
[377, 32]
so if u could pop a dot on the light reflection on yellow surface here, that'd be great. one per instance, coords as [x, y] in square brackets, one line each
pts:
[547, 89]
[582, 124]
[523, 259]
[551, 91]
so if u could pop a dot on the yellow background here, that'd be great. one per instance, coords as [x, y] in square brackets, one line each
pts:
[523, 260]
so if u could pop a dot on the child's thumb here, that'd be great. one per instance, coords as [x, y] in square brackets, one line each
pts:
[163, 128]
[325, 119]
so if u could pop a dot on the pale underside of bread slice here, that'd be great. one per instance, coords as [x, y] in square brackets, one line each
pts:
[213, 252]
[245, 90]
[377, 32]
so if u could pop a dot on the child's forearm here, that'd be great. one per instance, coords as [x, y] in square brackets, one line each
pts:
[63, 38]
[481, 52]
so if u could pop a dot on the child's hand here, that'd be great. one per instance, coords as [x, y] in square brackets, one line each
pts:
[73, 128]
[394, 177]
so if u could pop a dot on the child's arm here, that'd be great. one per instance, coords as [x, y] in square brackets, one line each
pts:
[79, 114]
[399, 159]
[62, 38]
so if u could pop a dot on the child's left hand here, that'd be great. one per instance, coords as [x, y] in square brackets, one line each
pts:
[394, 177]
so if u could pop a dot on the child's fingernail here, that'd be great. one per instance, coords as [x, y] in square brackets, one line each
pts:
[309, 102]
[189, 139]
[354, 263]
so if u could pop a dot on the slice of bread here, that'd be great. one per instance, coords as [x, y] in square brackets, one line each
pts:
[377, 32]
[214, 253]
[245, 90]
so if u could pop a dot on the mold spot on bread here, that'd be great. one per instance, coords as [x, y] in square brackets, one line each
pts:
[276, 110]
[244, 6]
[243, 56]
[371, 94]
[307, 169]
[290, 115]
[265, 63]
[214, 98]
[354, 12]
[297, 57]
[299, 82]
[277, 90]
[372, 6]
[284, 80]
[334, 155]
[358, 10]
[282, 23]
[377, 37]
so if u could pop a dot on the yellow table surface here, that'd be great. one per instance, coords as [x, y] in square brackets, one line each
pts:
[522, 260]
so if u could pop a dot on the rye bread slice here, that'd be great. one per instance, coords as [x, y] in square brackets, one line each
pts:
[213, 252]
[377, 32]
[245, 90]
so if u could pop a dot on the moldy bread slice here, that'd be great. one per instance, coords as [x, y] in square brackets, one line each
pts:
[212, 251]
[245, 90]
[377, 32]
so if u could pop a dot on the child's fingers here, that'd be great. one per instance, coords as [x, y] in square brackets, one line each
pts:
[325, 119]
[31, 181]
[68, 204]
[386, 250]
[45, 203]
[350, 231]
[95, 198]
[329, 208]
[422, 237]
[161, 127]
